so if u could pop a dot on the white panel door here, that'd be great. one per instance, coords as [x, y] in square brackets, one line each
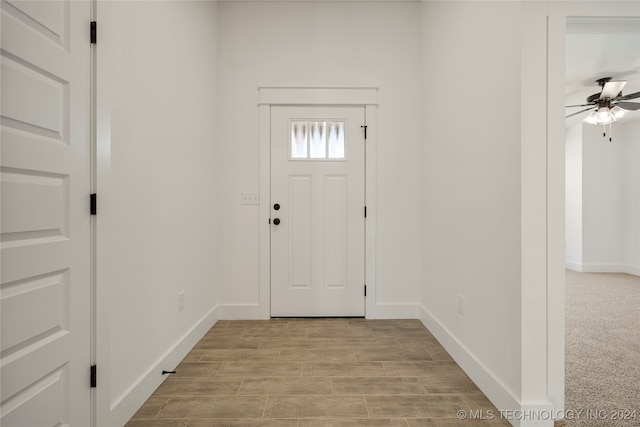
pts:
[45, 224]
[317, 211]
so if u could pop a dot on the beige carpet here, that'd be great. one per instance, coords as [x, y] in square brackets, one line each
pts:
[602, 349]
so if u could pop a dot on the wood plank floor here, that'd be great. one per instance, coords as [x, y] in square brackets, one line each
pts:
[316, 373]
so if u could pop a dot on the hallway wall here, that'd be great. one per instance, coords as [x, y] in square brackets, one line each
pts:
[471, 186]
[329, 44]
[157, 210]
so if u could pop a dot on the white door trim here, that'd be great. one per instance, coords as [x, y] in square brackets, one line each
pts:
[93, 184]
[317, 96]
[320, 96]
[554, 165]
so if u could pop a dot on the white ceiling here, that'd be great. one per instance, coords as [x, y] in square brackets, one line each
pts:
[601, 47]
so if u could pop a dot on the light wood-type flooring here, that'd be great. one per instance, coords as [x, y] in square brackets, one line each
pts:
[320, 373]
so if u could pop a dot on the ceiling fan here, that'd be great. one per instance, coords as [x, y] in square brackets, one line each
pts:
[609, 105]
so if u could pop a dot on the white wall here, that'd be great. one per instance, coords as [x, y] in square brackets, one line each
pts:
[329, 44]
[471, 188]
[573, 197]
[603, 195]
[157, 206]
[610, 196]
[630, 134]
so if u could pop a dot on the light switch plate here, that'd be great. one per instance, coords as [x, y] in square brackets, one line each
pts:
[250, 198]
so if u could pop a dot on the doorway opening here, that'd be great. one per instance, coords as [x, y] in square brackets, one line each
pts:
[602, 211]
[316, 246]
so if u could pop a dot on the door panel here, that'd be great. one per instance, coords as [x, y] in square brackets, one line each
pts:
[45, 225]
[300, 227]
[335, 228]
[317, 241]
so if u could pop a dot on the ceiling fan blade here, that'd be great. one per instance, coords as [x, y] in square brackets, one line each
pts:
[632, 106]
[630, 96]
[579, 105]
[574, 114]
[611, 89]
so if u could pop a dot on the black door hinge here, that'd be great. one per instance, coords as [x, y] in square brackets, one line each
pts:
[365, 290]
[365, 211]
[365, 130]
[94, 376]
[94, 32]
[93, 204]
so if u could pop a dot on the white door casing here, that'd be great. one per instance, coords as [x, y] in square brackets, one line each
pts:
[318, 230]
[45, 225]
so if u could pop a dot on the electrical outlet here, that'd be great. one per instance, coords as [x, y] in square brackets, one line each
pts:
[461, 305]
[250, 199]
[180, 300]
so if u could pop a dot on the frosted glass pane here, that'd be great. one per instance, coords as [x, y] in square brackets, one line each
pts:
[318, 140]
[298, 140]
[336, 140]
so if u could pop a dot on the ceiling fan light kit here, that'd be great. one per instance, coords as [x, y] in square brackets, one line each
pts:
[605, 115]
[609, 105]
[618, 112]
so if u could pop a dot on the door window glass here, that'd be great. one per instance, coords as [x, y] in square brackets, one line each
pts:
[299, 140]
[314, 139]
[336, 140]
[318, 140]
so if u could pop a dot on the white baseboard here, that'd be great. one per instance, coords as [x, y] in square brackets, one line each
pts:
[392, 311]
[607, 268]
[375, 311]
[573, 265]
[126, 405]
[242, 312]
[503, 398]
[633, 269]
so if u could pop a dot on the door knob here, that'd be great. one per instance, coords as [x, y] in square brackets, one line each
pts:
[276, 221]
[276, 207]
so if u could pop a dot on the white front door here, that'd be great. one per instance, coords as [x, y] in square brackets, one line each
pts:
[317, 211]
[45, 226]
